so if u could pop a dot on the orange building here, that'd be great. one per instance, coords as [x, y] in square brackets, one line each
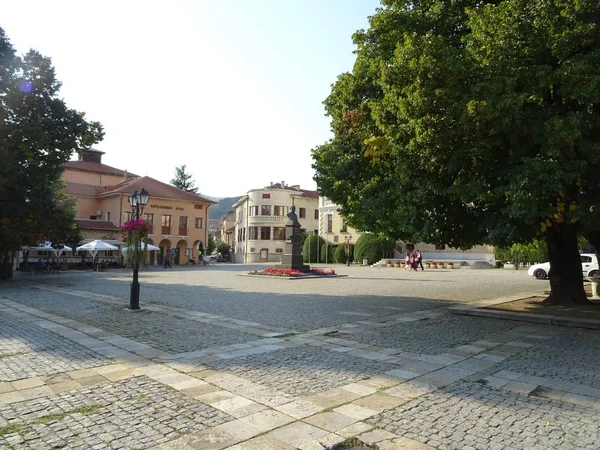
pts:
[179, 219]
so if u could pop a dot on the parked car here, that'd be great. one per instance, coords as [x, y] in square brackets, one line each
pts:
[589, 267]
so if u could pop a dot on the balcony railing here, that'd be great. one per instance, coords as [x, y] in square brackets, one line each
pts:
[183, 231]
[165, 230]
[267, 219]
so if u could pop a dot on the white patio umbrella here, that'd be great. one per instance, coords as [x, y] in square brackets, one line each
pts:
[149, 247]
[47, 247]
[95, 246]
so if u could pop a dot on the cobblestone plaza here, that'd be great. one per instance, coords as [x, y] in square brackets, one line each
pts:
[219, 360]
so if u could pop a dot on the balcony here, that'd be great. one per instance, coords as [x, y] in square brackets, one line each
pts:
[267, 219]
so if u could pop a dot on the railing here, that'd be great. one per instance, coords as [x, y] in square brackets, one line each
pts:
[267, 219]
[183, 231]
[165, 230]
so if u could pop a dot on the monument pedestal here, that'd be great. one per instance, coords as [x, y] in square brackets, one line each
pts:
[292, 256]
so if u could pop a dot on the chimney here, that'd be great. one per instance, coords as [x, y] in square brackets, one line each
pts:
[125, 175]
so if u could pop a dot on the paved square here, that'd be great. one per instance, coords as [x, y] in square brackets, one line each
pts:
[215, 360]
[303, 370]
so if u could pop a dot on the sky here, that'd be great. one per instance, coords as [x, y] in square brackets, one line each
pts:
[232, 89]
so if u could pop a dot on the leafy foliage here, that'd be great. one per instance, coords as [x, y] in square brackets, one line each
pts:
[327, 252]
[38, 133]
[310, 248]
[223, 248]
[183, 180]
[371, 247]
[340, 255]
[472, 122]
[210, 248]
[533, 252]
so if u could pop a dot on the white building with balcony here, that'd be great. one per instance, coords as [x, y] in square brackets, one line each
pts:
[261, 216]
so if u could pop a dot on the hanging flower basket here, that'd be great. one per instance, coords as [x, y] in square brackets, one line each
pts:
[135, 234]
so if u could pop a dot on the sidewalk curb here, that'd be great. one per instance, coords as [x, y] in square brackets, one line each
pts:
[478, 309]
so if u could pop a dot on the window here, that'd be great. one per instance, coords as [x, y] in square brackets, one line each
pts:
[183, 226]
[165, 224]
[196, 206]
[107, 216]
[243, 234]
[149, 218]
[266, 196]
[253, 233]
[199, 222]
[343, 226]
[93, 217]
[302, 213]
[329, 223]
[278, 250]
[265, 233]
[128, 216]
[253, 211]
[336, 239]
[279, 210]
[265, 210]
[316, 214]
[585, 259]
[279, 233]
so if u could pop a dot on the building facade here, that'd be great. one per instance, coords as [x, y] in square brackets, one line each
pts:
[333, 229]
[179, 219]
[261, 216]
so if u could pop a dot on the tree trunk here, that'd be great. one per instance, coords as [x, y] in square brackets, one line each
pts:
[566, 277]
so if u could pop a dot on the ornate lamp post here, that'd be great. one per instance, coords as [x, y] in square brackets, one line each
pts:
[137, 201]
[347, 244]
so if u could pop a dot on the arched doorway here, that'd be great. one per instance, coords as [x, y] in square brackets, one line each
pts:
[165, 246]
[181, 249]
[196, 248]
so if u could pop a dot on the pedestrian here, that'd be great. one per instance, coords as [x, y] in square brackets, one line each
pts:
[420, 259]
[414, 262]
[165, 260]
[407, 262]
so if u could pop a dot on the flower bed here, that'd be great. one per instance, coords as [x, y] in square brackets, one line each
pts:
[273, 272]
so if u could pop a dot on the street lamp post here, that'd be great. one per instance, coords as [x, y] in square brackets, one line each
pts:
[347, 244]
[137, 201]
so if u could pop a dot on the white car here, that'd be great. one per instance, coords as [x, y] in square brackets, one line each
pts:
[589, 267]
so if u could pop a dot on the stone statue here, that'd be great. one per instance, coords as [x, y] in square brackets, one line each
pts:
[292, 214]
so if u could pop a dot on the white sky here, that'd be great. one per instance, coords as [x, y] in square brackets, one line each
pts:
[231, 88]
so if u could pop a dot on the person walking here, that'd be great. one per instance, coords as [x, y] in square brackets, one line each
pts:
[420, 259]
[407, 262]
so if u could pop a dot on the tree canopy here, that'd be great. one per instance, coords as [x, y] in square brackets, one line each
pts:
[183, 180]
[471, 122]
[38, 133]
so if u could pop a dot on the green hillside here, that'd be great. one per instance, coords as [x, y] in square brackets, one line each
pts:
[225, 204]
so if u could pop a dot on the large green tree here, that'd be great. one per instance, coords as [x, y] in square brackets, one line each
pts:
[468, 122]
[38, 133]
[183, 180]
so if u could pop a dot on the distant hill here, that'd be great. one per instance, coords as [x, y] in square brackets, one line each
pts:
[225, 204]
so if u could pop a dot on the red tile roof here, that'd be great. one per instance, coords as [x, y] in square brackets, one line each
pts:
[156, 189]
[87, 190]
[87, 166]
[97, 224]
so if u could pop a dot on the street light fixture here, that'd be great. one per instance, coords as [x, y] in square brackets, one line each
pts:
[137, 201]
[347, 244]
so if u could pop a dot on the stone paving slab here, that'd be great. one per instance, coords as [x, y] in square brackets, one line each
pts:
[473, 415]
[138, 413]
[303, 370]
[28, 351]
